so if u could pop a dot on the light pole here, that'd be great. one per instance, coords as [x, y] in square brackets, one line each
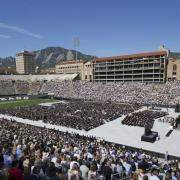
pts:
[76, 43]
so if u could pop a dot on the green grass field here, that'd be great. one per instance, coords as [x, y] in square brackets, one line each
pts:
[18, 103]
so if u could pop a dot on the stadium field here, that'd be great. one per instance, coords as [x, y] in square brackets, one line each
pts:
[28, 102]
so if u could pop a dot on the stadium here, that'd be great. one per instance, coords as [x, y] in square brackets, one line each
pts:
[131, 125]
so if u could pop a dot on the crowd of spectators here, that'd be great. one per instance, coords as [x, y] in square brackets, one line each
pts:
[6, 88]
[9, 87]
[27, 87]
[131, 92]
[143, 117]
[34, 153]
[79, 114]
[29, 152]
[21, 87]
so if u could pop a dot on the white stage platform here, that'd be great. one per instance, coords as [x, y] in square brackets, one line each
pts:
[115, 132]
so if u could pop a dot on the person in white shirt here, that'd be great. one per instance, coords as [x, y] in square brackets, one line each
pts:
[56, 161]
[84, 170]
[154, 175]
[74, 162]
[127, 166]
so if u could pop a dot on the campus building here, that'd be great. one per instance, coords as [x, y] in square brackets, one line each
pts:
[152, 67]
[173, 67]
[81, 67]
[88, 71]
[25, 63]
[143, 67]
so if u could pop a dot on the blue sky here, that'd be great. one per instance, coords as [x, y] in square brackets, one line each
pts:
[105, 27]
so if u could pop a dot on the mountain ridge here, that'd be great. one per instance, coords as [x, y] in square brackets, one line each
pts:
[48, 57]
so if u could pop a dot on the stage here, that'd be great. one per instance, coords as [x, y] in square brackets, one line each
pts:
[115, 132]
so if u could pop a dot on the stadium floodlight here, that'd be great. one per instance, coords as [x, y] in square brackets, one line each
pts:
[76, 42]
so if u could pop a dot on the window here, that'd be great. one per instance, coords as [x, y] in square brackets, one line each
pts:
[174, 67]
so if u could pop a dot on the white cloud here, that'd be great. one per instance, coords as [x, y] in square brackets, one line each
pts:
[4, 36]
[19, 30]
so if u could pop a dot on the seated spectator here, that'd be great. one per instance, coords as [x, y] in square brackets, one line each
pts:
[35, 174]
[73, 173]
[14, 172]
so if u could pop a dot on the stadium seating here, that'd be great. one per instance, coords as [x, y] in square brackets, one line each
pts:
[6, 88]
[129, 92]
[34, 151]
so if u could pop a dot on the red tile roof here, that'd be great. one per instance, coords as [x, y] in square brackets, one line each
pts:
[140, 55]
[71, 62]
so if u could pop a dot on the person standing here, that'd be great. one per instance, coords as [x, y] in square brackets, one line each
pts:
[107, 171]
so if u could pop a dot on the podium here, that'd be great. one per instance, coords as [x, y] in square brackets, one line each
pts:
[149, 136]
[177, 108]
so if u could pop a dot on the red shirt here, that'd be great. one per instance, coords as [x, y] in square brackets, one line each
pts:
[15, 174]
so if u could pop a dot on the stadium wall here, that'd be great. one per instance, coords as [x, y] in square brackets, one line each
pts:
[46, 77]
